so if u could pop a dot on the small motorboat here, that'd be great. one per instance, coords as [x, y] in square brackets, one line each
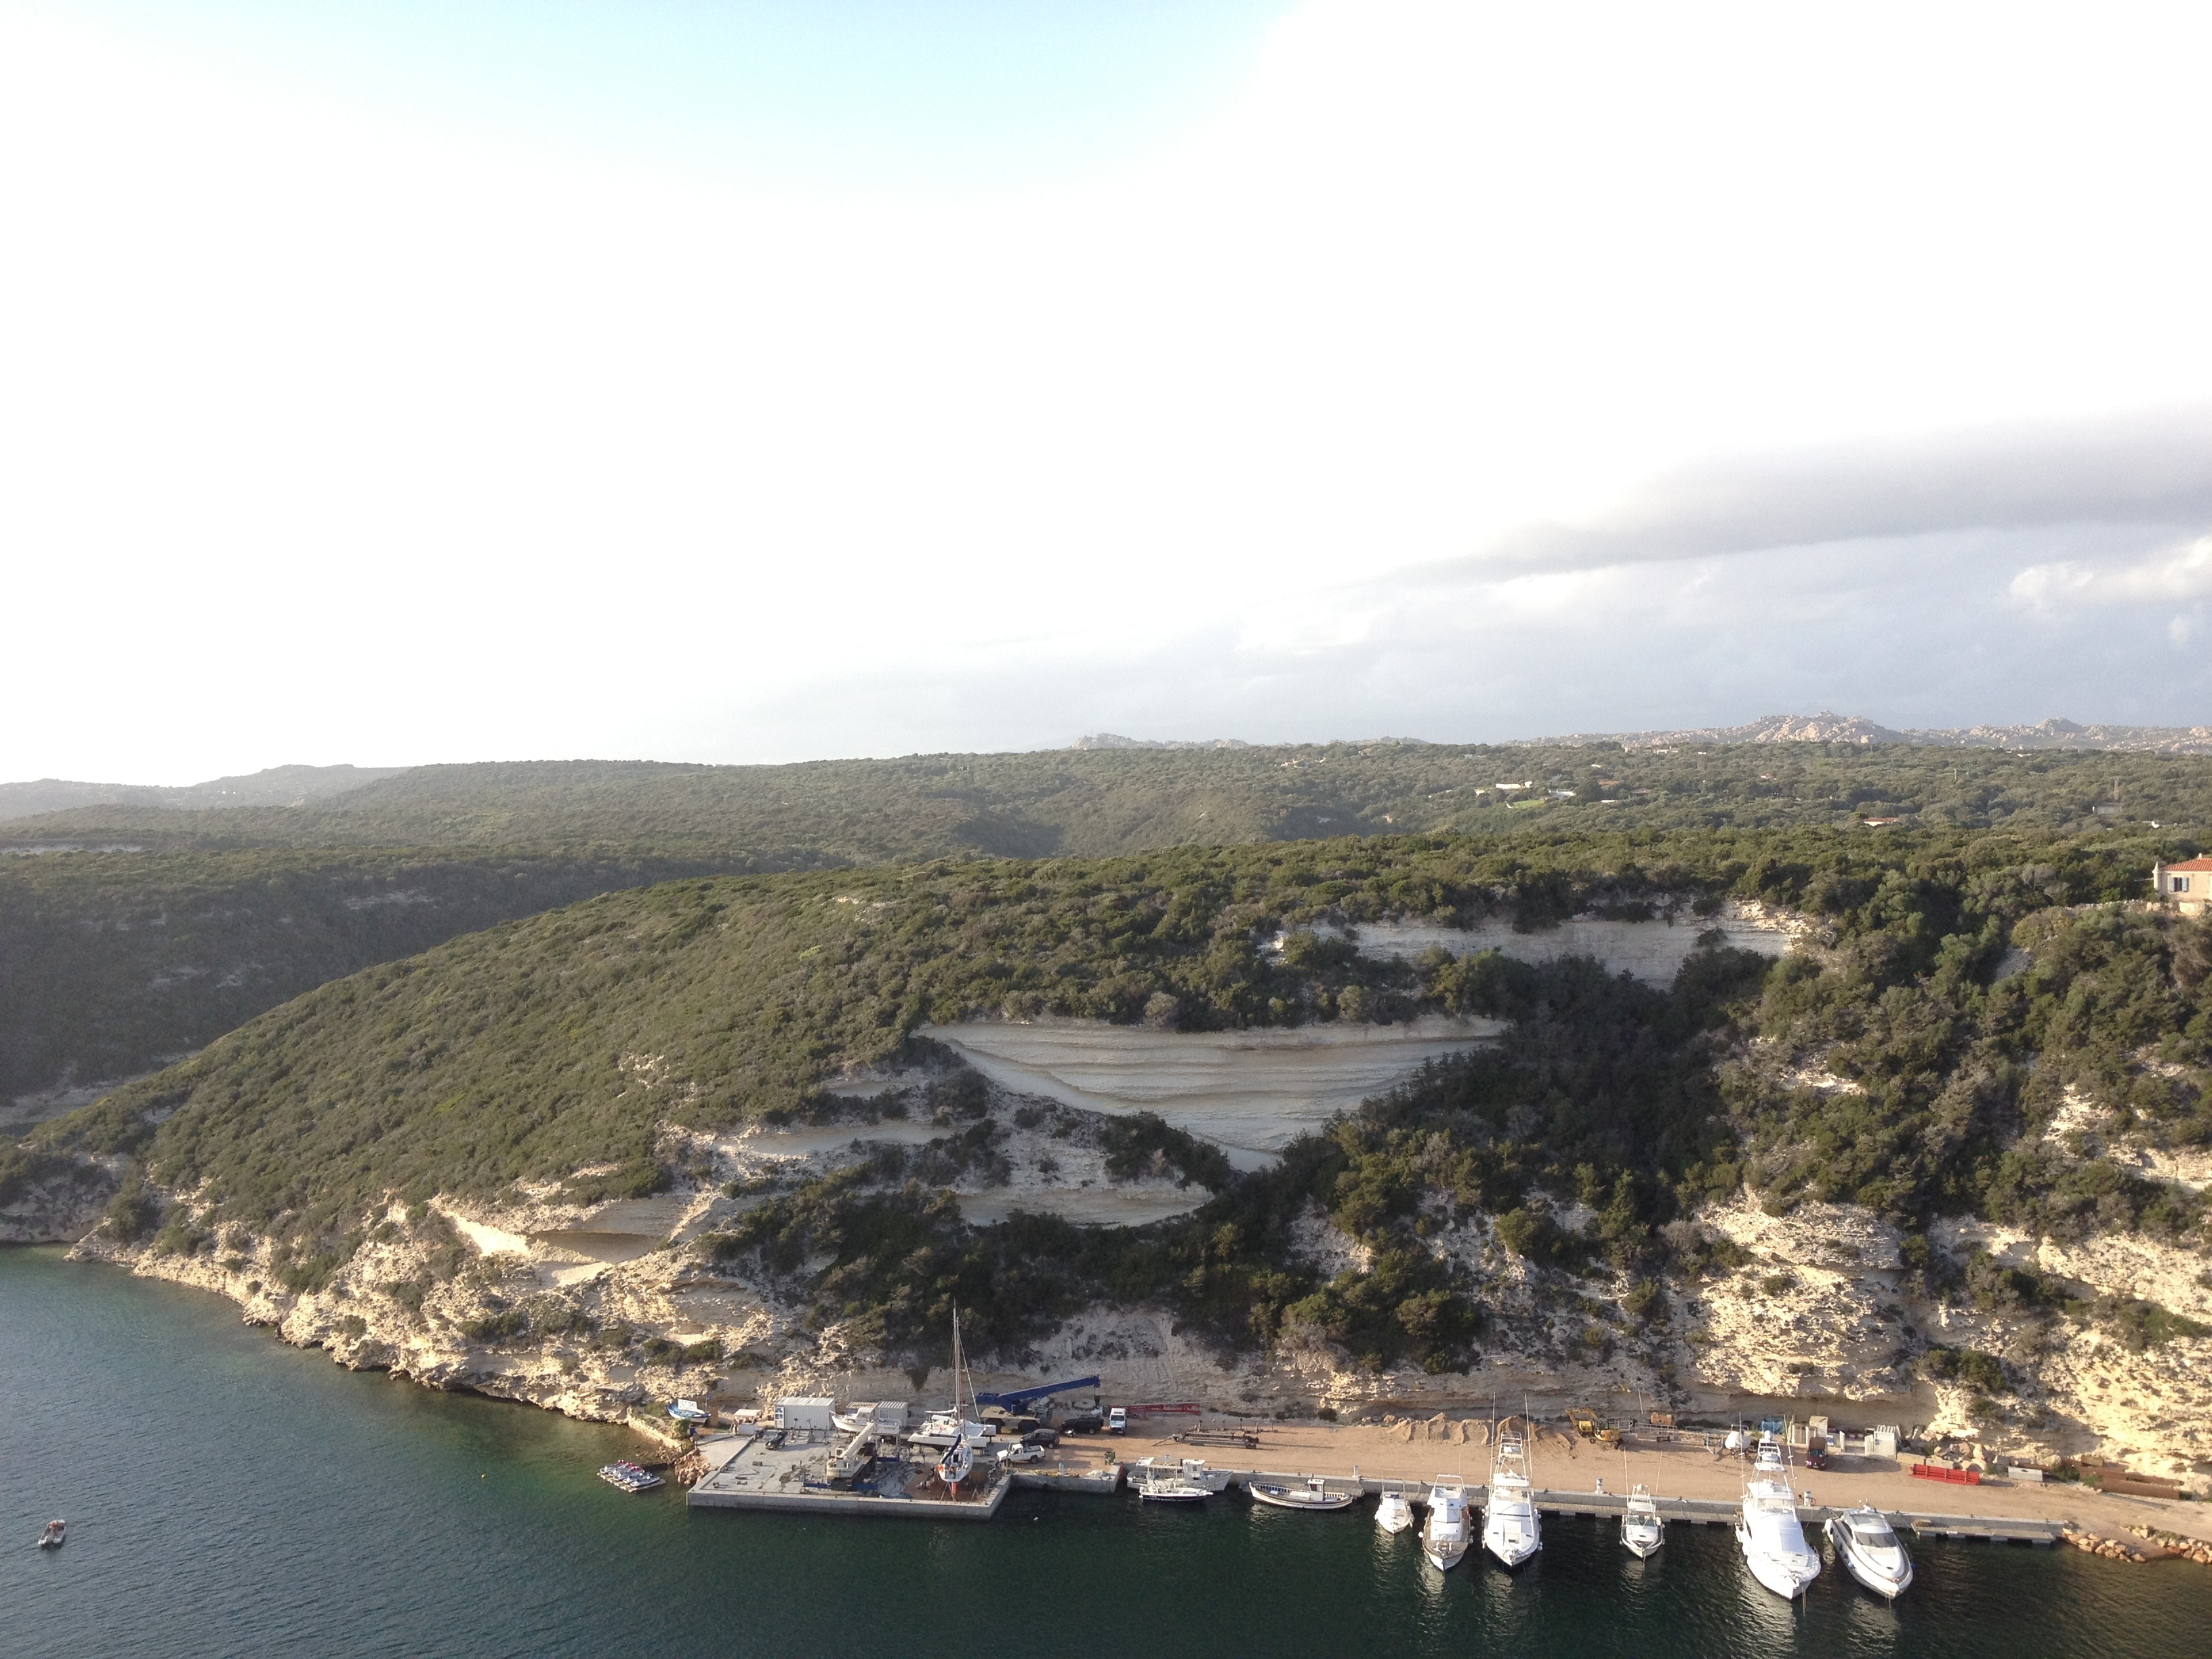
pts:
[1313, 1495]
[51, 1538]
[631, 1477]
[687, 1411]
[1395, 1512]
[1868, 1543]
[1641, 1529]
[1445, 1538]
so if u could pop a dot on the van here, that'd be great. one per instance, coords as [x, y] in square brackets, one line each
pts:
[1117, 1420]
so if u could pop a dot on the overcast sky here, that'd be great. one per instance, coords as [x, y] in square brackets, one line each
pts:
[774, 379]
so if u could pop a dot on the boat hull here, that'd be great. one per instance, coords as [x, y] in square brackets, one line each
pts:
[1173, 1494]
[1291, 1499]
[1444, 1560]
[1871, 1574]
[1395, 1514]
[1642, 1544]
[1789, 1578]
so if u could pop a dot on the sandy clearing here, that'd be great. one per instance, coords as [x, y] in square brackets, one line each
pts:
[1250, 1091]
[1652, 951]
[1096, 1206]
[809, 1143]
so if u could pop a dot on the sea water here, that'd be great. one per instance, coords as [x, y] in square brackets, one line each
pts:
[228, 1495]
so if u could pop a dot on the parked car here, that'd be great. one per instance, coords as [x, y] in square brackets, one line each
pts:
[1082, 1423]
[1023, 1454]
[1816, 1451]
[1117, 1420]
[1042, 1437]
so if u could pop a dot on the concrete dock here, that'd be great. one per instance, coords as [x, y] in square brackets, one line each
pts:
[791, 1472]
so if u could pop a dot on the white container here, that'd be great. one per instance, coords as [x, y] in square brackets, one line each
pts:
[799, 1412]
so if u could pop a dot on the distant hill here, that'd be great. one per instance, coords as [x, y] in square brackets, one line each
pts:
[1857, 730]
[278, 786]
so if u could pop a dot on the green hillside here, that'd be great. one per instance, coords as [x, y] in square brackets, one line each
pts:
[112, 961]
[556, 1044]
[1100, 803]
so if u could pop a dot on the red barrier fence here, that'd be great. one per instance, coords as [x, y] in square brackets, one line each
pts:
[1955, 1477]
[1164, 1410]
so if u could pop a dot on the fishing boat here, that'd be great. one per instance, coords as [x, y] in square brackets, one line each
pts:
[1868, 1544]
[959, 1460]
[1445, 1537]
[631, 1477]
[1313, 1495]
[51, 1538]
[1641, 1528]
[1395, 1512]
[1510, 1528]
[1773, 1539]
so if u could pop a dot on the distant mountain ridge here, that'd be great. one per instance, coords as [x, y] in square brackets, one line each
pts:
[1856, 729]
[276, 786]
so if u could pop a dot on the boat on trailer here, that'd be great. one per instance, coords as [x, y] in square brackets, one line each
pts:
[1870, 1549]
[1313, 1495]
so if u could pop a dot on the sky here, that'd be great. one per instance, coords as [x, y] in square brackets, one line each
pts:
[762, 380]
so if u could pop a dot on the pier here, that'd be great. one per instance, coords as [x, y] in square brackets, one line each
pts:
[813, 1472]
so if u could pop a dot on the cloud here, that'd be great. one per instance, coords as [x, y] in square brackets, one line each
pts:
[2150, 470]
[2167, 578]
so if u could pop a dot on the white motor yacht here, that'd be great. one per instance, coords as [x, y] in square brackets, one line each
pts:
[1864, 1538]
[1395, 1512]
[1641, 1529]
[1510, 1530]
[1446, 1536]
[1773, 1540]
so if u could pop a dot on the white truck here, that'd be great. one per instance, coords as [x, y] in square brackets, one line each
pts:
[1117, 1420]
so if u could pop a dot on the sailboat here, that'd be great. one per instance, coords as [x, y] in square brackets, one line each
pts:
[1510, 1528]
[1773, 1539]
[1445, 1538]
[1868, 1543]
[959, 1460]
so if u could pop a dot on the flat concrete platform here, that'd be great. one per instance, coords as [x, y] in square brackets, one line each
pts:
[789, 1471]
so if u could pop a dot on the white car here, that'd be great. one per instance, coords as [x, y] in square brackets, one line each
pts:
[1021, 1454]
[1117, 1420]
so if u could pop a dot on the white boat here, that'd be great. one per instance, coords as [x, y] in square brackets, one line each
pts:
[1313, 1495]
[959, 1460]
[1395, 1512]
[1641, 1529]
[1446, 1536]
[1171, 1483]
[688, 1410]
[1773, 1539]
[1510, 1528]
[1868, 1544]
[942, 1429]
[51, 1538]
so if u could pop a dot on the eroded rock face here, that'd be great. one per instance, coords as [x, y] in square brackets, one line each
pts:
[59, 1209]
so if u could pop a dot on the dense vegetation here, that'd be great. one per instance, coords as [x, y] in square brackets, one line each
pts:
[555, 1049]
[114, 961]
[1100, 803]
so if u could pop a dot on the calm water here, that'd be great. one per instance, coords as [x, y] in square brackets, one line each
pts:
[228, 1495]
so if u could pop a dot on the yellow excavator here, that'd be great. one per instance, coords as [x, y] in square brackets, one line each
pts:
[1586, 1425]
